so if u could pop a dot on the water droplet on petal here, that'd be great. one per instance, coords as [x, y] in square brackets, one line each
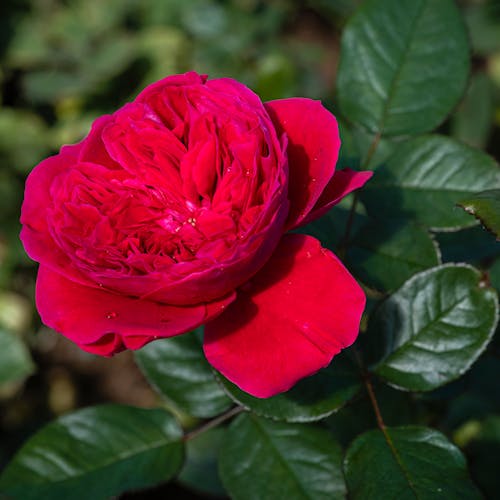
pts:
[111, 315]
[308, 254]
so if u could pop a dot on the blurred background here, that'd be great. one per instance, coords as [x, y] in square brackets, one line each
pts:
[65, 62]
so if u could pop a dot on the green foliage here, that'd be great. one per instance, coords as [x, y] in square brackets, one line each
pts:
[414, 462]
[403, 65]
[265, 459]
[385, 254]
[485, 206]
[177, 368]
[96, 453]
[434, 327]
[200, 469]
[15, 360]
[425, 178]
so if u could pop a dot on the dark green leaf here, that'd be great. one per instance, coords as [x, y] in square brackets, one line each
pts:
[484, 28]
[200, 469]
[473, 120]
[269, 460]
[485, 206]
[96, 453]
[384, 255]
[434, 327]
[425, 178]
[471, 245]
[399, 408]
[403, 65]
[330, 228]
[313, 398]
[15, 360]
[364, 142]
[177, 368]
[407, 463]
[484, 455]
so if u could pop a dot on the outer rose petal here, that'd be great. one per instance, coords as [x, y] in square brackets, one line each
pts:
[297, 313]
[313, 150]
[35, 234]
[105, 323]
[342, 183]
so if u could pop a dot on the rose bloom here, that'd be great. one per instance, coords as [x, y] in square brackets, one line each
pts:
[173, 212]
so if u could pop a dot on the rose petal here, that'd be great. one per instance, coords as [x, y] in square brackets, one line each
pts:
[313, 150]
[342, 183]
[35, 235]
[107, 345]
[183, 80]
[299, 311]
[90, 316]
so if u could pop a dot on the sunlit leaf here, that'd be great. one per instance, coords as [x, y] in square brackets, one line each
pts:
[425, 178]
[403, 65]
[177, 368]
[434, 327]
[269, 460]
[97, 452]
[406, 463]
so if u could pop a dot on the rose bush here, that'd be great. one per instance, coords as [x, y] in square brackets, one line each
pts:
[172, 213]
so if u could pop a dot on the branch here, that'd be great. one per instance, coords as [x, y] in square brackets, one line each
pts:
[213, 423]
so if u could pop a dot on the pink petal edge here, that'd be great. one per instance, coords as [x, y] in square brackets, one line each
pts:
[342, 183]
[294, 316]
[313, 148]
[104, 323]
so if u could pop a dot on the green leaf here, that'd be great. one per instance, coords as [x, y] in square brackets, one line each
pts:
[473, 120]
[472, 245]
[384, 255]
[483, 453]
[177, 368]
[434, 327]
[313, 398]
[269, 460]
[485, 206]
[364, 145]
[200, 469]
[15, 360]
[96, 453]
[403, 65]
[406, 463]
[424, 179]
[483, 26]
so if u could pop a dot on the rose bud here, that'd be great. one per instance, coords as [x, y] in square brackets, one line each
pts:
[172, 213]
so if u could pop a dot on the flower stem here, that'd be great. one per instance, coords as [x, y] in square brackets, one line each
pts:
[342, 248]
[374, 402]
[213, 423]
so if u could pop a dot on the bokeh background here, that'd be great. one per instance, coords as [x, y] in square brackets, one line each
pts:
[65, 62]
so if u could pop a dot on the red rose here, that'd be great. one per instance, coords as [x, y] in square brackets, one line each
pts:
[171, 213]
